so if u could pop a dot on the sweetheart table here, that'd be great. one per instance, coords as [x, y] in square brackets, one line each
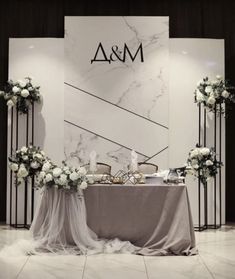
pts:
[154, 218]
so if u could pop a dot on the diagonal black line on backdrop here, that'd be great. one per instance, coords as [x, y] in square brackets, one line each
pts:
[156, 154]
[97, 97]
[73, 124]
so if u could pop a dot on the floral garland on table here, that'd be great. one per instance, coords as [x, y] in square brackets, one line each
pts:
[214, 93]
[202, 163]
[20, 94]
[32, 161]
[65, 177]
[26, 162]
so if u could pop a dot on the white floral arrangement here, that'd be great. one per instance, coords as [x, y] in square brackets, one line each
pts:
[32, 161]
[27, 162]
[202, 163]
[21, 93]
[214, 93]
[65, 177]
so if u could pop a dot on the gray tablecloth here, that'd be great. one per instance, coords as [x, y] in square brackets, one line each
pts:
[156, 218]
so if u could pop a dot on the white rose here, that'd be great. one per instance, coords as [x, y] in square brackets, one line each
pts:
[22, 83]
[194, 153]
[209, 163]
[46, 166]
[83, 185]
[15, 89]
[34, 165]
[14, 167]
[205, 151]
[199, 96]
[24, 149]
[219, 77]
[57, 172]
[24, 93]
[82, 171]
[10, 103]
[22, 172]
[74, 176]
[211, 100]
[63, 179]
[225, 94]
[48, 177]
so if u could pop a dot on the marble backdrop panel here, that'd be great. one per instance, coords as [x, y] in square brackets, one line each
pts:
[128, 89]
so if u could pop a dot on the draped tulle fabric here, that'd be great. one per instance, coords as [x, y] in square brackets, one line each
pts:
[61, 228]
[60, 224]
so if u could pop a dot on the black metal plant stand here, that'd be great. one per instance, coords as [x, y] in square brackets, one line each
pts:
[14, 144]
[216, 223]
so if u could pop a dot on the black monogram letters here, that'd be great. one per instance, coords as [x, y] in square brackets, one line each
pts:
[117, 55]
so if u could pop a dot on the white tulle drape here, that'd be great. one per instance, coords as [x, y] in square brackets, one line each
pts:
[61, 228]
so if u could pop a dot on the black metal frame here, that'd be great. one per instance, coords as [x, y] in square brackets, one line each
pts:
[205, 226]
[15, 126]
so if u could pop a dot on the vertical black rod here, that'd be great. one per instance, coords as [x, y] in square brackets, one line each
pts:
[32, 181]
[205, 206]
[26, 182]
[205, 186]
[215, 147]
[11, 174]
[16, 186]
[199, 182]
[220, 159]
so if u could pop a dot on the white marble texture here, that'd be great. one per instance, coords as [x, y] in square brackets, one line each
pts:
[126, 103]
[77, 152]
[138, 87]
[216, 260]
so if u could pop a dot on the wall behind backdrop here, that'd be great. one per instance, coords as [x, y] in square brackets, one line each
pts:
[195, 19]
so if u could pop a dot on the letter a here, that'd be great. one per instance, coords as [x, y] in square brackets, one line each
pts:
[100, 47]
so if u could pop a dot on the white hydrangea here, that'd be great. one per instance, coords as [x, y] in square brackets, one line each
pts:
[208, 89]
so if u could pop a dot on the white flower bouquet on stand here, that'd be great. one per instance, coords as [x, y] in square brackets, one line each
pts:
[27, 162]
[21, 93]
[213, 94]
[202, 163]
